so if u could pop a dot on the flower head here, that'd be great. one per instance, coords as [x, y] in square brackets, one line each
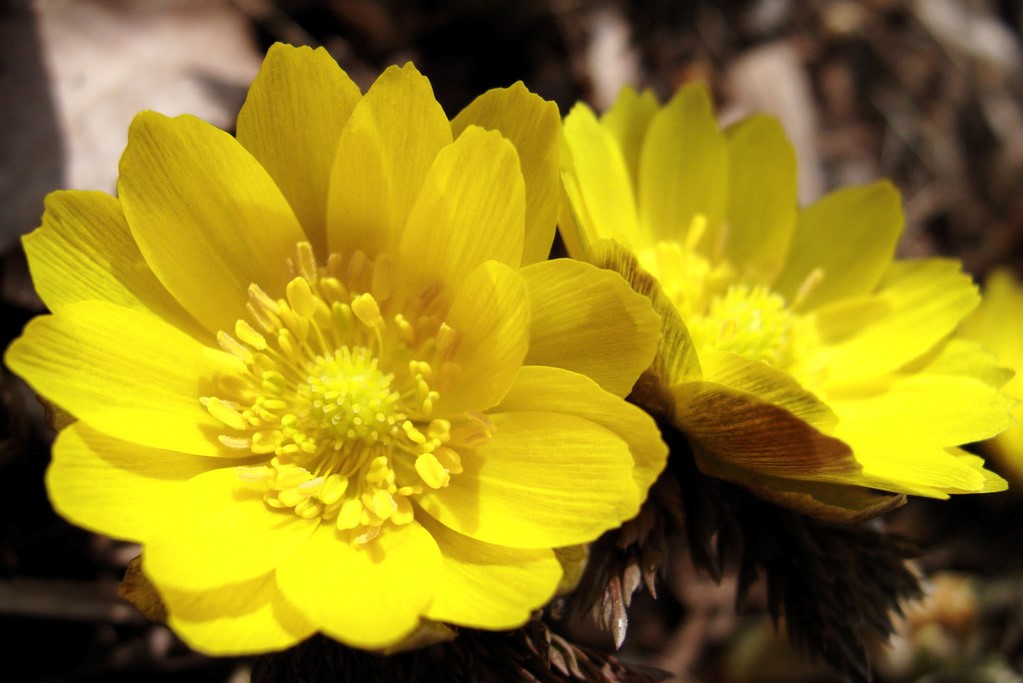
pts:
[997, 324]
[798, 357]
[322, 372]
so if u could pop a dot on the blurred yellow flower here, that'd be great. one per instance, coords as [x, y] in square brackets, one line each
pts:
[798, 357]
[997, 324]
[323, 372]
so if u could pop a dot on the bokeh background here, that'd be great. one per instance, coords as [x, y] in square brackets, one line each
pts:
[926, 92]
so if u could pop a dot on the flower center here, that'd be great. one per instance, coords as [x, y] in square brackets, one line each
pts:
[336, 392]
[353, 398]
[750, 321]
[719, 309]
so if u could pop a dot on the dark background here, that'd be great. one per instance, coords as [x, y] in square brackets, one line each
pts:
[928, 93]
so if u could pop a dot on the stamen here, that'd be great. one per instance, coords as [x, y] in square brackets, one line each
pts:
[349, 515]
[306, 262]
[449, 459]
[357, 267]
[475, 431]
[333, 393]
[233, 346]
[366, 309]
[405, 329]
[225, 413]
[235, 442]
[248, 335]
[750, 321]
[697, 228]
[261, 299]
[810, 283]
[433, 473]
[300, 296]
[446, 338]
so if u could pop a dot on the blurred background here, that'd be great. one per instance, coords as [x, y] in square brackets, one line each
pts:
[928, 93]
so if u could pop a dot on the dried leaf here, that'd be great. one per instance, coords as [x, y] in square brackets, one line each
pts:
[625, 560]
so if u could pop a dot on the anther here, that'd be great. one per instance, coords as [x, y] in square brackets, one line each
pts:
[697, 228]
[261, 299]
[813, 279]
[366, 309]
[225, 413]
[432, 472]
[235, 442]
[233, 346]
[331, 392]
[300, 296]
[445, 338]
[244, 331]
[333, 290]
[306, 261]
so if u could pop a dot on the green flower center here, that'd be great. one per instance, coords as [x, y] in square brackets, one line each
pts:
[721, 311]
[337, 393]
[352, 398]
[750, 321]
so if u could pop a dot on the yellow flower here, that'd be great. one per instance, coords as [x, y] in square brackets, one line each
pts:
[322, 371]
[798, 358]
[997, 324]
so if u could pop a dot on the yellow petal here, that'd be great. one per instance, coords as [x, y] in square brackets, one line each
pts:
[676, 359]
[683, 169]
[489, 586]
[574, 222]
[599, 185]
[544, 480]
[590, 321]
[998, 325]
[471, 209]
[919, 303]
[1007, 450]
[847, 239]
[114, 487]
[992, 482]
[560, 391]
[383, 156]
[961, 357]
[926, 408]
[84, 250]
[902, 426]
[370, 596]
[918, 469]
[744, 430]
[533, 125]
[291, 121]
[249, 617]
[208, 218]
[490, 319]
[125, 372]
[627, 120]
[761, 197]
[214, 532]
